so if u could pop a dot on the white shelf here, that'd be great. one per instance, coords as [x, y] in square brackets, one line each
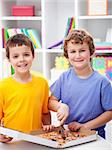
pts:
[50, 21]
[20, 18]
[103, 51]
[54, 50]
[95, 17]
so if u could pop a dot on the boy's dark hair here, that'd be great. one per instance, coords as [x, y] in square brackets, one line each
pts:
[19, 40]
[79, 36]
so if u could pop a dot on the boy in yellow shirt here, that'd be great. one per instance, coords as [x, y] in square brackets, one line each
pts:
[23, 97]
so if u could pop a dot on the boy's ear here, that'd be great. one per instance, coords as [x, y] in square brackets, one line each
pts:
[8, 59]
[93, 55]
[34, 55]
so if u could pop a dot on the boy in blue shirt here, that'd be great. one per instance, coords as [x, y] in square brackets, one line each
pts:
[87, 93]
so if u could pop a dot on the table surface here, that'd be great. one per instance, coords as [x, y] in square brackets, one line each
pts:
[100, 144]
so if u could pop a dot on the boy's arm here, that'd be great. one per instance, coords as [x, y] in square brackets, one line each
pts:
[3, 138]
[99, 121]
[93, 124]
[61, 109]
[53, 103]
[46, 118]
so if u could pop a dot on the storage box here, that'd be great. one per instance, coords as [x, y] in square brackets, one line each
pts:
[23, 10]
[97, 7]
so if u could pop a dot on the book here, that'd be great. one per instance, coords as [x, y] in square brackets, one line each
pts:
[31, 33]
[24, 31]
[3, 38]
[103, 45]
[6, 37]
[19, 31]
[69, 27]
[56, 44]
[11, 31]
[34, 36]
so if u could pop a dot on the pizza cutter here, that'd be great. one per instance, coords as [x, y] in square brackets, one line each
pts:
[62, 131]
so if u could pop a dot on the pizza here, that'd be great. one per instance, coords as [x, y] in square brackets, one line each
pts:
[68, 135]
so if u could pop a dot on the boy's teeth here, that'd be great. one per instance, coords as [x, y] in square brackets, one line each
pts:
[22, 65]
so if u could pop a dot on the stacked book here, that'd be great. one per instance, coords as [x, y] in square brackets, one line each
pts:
[31, 33]
[103, 45]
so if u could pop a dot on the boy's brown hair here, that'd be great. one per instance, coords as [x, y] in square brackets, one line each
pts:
[79, 36]
[18, 40]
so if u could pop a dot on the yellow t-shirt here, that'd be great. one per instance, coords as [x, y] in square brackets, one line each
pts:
[22, 105]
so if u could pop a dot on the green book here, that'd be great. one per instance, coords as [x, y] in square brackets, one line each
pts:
[12, 70]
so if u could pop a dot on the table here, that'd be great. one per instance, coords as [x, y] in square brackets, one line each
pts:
[100, 144]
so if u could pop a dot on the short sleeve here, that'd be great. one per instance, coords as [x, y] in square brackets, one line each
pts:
[1, 104]
[45, 99]
[55, 88]
[106, 96]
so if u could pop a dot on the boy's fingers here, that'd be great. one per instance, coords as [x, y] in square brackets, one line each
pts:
[48, 127]
[6, 140]
[74, 126]
[62, 116]
[62, 121]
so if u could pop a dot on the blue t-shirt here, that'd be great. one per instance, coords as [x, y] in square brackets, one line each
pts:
[87, 98]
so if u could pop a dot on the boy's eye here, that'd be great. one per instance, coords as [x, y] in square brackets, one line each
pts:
[82, 50]
[72, 51]
[27, 54]
[15, 56]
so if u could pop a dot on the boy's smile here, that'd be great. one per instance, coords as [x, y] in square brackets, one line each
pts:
[21, 59]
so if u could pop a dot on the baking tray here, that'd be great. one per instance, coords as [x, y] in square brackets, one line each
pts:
[34, 138]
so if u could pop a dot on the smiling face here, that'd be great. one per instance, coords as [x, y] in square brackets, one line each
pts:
[78, 55]
[21, 59]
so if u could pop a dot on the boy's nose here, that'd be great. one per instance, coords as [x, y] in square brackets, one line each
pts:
[21, 58]
[77, 55]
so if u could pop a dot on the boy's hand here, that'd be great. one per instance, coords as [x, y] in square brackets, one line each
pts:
[5, 139]
[48, 127]
[74, 126]
[62, 113]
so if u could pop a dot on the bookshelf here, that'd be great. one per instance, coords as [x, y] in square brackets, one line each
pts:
[97, 25]
[50, 21]
[20, 22]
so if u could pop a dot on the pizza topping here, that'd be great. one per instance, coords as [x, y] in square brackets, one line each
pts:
[64, 136]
